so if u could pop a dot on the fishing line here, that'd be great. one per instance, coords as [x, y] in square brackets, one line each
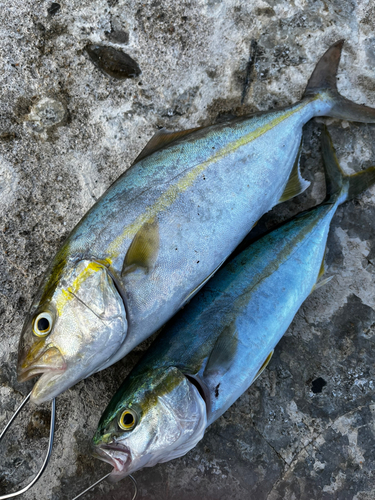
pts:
[49, 450]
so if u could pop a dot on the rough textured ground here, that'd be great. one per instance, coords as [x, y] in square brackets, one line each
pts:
[306, 429]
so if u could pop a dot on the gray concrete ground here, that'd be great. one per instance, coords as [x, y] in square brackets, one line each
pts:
[306, 429]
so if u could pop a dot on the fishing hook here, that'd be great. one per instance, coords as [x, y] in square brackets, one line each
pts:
[50, 445]
[102, 479]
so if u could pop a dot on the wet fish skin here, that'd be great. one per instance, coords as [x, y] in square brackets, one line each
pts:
[162, 229]
[220, 341]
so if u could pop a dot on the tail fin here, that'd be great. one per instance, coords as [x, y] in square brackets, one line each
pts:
[324, 79]
[340, 186]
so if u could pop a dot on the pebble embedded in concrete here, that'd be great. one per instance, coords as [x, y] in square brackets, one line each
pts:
[45, 114]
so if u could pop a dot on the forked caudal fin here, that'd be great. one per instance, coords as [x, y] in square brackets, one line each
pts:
[340, 186]
[323, 79]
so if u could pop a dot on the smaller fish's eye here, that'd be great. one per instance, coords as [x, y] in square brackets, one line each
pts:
[127, 420]
[42, 324]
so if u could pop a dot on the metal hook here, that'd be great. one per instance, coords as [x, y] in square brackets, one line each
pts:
[102, 479]
[50, 444]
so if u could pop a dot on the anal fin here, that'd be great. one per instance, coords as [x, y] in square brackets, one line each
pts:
[296, 183]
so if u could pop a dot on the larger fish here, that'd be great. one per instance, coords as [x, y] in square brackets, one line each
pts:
[162, 229]
[216, 346]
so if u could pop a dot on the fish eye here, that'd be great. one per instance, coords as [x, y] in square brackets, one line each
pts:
[127, 420]
[42, 324]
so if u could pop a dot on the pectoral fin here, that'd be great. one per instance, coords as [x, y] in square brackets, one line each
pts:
[161, 139]
[296, 183]
[264, 366]
[223, 352]
[144, 248]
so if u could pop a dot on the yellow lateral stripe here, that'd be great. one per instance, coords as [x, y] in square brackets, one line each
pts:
[65, 295]
[167, 198]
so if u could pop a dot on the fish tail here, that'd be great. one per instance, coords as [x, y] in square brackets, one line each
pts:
[323, 82]
[340, 186]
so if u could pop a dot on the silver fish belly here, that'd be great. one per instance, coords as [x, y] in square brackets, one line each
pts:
[223, 339]
[161, 230]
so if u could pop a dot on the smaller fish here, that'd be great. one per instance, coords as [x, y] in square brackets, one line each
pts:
[113, 62]
[215, 349]
[162, 230]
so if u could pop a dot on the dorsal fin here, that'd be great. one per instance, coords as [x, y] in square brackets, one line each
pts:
[223, 352]
[162, 138]
[296, 183]
[144, 248]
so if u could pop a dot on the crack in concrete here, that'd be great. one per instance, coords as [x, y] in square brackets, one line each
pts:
[295, 459]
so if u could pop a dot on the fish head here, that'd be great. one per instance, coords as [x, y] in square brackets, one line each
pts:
[154, 417]
[76, 323]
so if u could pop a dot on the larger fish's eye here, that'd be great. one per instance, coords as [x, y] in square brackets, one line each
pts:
[127, 420]
[42, 324]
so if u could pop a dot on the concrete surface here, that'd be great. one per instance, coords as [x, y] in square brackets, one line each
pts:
[306, 429]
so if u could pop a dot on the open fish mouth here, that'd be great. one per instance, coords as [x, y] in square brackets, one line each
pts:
[117, 455]
[50, 362]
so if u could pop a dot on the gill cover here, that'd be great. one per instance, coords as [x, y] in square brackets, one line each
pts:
[75, 324]
[169, 419]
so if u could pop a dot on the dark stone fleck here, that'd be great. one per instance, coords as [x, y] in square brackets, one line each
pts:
[53, 8]
[253, 54]
[39, 424]
[40, 27]
[318, 384]
[22, 107]
[267, 11]
[113, 62]
[118, 36]
[7, 136]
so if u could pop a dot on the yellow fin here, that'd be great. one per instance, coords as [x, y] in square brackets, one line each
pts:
[264, 366]
[197, 288]
[322, 269]
[296, 183]
[321, 273]
[144, 248]
[161, 139]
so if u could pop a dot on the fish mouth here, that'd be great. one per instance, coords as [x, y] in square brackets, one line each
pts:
[117, 455]
[49, 362]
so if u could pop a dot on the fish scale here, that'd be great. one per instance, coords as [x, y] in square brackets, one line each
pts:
[180, 225]
[162, 229]
[259, 292]
[215, 348]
